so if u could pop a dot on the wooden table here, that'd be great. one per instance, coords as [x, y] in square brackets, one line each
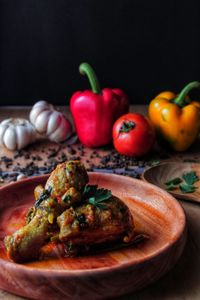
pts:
[181, 283]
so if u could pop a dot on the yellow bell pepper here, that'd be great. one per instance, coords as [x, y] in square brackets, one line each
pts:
[176, 118]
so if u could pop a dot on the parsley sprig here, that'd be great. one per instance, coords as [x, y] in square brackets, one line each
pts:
[185, 183]
[96, 196]
[185, 188]
[171, 184]
[190, 178]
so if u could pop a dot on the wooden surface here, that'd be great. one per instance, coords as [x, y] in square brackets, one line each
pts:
[164, 172]
[183, 282]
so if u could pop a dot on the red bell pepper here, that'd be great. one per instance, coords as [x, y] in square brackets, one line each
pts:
[95, 111]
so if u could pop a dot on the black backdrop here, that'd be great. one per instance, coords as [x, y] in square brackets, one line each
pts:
[140, 46]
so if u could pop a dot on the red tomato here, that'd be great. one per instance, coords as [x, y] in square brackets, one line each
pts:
[133, 135]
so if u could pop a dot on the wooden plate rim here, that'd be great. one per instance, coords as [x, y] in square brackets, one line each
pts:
[174, 194]
[52, 273]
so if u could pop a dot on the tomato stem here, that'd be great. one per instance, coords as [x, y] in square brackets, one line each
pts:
[127, 126]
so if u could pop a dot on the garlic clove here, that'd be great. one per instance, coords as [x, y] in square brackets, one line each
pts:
[57, 136]
[6, 121]
[36, 111]
[44, 104]
[3, 128]
[54, 122]
[49, 122]
[16, 133]
[21, 176]
[62, 132]
[41, 103]
[22, 137]
[9, 138]
[41, 121]
[32, 133]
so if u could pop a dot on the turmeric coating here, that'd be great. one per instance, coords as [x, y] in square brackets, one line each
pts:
[69, 213]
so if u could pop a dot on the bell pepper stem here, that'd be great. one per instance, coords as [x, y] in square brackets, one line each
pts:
[86, 69]
[181, 100]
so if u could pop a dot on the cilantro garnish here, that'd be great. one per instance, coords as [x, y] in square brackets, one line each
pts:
[174, 181]
[190, 178]
[185, 187]
[66, 198]
[154, 162]
[171, 187]
[96, 196]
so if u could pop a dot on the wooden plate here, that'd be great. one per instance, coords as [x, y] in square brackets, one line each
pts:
[105, 275]
[162, 173]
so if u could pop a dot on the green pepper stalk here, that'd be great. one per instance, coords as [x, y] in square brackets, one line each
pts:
[86, 69]
[181, 100]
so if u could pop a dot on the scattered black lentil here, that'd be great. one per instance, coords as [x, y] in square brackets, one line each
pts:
[27, 156]
[39, 159]
[6, 159]
[54, 152]
[72, 151]
[75, 158]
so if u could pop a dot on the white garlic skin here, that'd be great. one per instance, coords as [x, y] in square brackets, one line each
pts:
[21, 176]
[50, 122]
[16, 133]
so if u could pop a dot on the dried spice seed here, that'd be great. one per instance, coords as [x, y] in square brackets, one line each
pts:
[72, 151]
[107, 160]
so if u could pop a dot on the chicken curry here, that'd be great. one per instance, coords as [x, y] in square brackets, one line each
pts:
[70, 213]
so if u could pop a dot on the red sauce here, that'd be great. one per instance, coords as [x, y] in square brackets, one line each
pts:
[14, 218]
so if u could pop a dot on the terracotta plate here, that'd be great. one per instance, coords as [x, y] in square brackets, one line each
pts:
[104, 275]
[164, 172]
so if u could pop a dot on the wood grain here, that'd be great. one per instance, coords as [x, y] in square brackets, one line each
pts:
[155, 213]
[183, 282]
[164, 172]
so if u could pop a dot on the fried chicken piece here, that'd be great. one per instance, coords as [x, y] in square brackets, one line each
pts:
[25, 243]
[65, 176]
[71, 214]
[63, 188]
[87, 225]
[83, 227]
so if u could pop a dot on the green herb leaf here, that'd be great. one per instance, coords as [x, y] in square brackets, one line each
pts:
[89, 190]
[93, 201]
[66, 198]
[154, 162]
[174, 181]
[171, 187]
[185, 188]
[96, 196]
[190, 177]
[127, 126]
[190, 160]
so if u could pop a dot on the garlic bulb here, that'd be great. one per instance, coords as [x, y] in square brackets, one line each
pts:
[16, 133]
[49, 122]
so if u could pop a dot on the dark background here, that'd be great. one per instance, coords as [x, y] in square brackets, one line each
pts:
[141, 46]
